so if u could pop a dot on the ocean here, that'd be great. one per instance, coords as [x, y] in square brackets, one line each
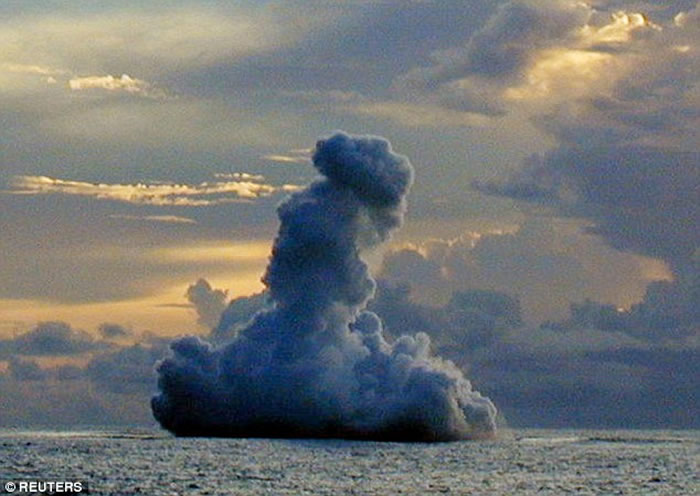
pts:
[527, 462]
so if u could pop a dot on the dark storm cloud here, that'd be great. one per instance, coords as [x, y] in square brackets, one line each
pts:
[316, 364]
[508, 40]
[669, 311]
[641, 199]
[579, 377]
[468, 77]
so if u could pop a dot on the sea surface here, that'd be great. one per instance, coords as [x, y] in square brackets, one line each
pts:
[527, 462]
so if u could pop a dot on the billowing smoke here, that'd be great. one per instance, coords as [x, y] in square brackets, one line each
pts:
[317, 364]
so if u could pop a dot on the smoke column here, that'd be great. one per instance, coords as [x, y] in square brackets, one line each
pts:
[316, 364]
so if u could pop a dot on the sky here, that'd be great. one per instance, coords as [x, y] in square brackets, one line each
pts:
[144, 149]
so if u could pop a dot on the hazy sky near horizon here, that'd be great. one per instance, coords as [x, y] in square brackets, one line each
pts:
[146, 145]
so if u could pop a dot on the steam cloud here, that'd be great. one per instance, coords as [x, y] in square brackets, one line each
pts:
[317, 364]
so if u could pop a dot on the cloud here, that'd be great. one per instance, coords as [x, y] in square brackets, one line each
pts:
[125, 83]
[239, 176]
[159, 194]
[32, 69]
[49, 339]
[126, 371]
[590, 378]
[471, 319]
[472, 77]
[528, 263]
[668, 312]
[207, 301]
[143, 38]
[199, 124]
[84, 51]
[168, 219]
[640, 199]
[556, 56]
[68, 373]
[25, 370]
[20, 79]
[626, 155]
[111, 389]
[113, 331]
[421, 113]
[300, 158]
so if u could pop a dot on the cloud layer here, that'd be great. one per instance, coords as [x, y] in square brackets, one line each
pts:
[159, 194]
[49, 339]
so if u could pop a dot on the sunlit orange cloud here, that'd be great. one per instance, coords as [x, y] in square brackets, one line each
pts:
[160, 194]
[583, 65]
[619, 30]
[564, 71]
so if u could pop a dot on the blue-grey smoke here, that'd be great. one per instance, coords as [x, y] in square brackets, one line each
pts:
[316, 364]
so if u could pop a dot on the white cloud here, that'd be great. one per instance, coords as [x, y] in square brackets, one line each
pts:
[288, 159]
[26, 78]
[239, 176]
[168, 219]
[110, 83]
[160, 194]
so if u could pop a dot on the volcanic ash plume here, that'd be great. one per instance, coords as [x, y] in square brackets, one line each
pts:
[316, 364]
